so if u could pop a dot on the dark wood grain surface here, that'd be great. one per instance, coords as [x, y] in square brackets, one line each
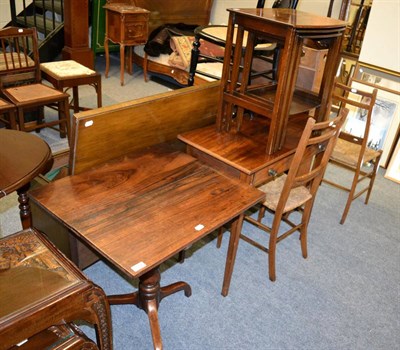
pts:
[22, 157]
[143, 209]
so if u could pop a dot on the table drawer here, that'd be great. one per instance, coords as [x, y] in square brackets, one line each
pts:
[267, 173]
[136, 31]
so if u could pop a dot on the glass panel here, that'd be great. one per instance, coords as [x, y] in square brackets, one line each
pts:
[29, 273]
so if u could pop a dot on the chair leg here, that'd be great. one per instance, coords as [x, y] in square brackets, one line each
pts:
[261, 213]
[372, 180]
[304, 227]
[219, 236]
[350, 197]
[21, 119]
[273, 237]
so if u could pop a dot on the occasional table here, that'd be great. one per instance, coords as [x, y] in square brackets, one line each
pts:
[126, 25]
[71, 74]
[140, 210]
[23, 156]
[40, 288]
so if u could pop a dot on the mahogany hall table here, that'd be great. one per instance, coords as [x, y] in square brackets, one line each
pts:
[140, 210]
[23, 156]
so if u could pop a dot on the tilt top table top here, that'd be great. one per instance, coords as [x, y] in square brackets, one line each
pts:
[140, 210]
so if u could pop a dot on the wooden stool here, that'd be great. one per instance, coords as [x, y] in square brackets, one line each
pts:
[70, 74]
[7, 114]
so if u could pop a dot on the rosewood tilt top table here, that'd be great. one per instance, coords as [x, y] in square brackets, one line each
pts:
[140, 210]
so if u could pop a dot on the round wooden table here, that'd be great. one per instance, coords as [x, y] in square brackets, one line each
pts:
[23, 156]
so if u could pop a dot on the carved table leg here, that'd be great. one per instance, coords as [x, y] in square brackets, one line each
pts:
[24, 207]
[148, 298]
[97, 304]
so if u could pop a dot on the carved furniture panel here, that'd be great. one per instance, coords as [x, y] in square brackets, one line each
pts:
[40, 288]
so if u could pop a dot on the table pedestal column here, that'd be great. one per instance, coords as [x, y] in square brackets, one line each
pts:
[148, 298]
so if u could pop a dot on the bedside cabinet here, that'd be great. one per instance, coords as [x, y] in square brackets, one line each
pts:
[126, 25]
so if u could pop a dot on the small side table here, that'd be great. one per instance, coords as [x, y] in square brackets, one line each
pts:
[71, 74]
[23, 156]
[40, 288]
[126, 25]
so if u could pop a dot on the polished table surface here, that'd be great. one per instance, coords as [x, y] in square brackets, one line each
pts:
[140, 210]
[23, 156]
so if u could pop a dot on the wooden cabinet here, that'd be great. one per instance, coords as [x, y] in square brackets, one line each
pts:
[126, 25]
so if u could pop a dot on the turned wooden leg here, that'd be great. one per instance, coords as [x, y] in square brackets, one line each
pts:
[24, 206]
[148, 298]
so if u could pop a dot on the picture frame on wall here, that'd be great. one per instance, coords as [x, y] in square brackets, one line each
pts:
[393, 170]
[386, 114]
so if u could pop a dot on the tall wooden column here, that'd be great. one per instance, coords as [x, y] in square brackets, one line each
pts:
[76, 33]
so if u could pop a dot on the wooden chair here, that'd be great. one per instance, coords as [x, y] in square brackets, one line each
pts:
[296, 190]
[7, 114]
[20, 81]
[352, 152]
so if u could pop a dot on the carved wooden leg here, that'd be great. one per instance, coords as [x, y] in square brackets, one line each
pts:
[24, 207]
[148, 298]
[236, 228]
[100, 316]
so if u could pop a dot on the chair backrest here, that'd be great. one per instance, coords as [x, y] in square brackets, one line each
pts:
[289, 4]
[353, 99]
[19, 58]
[312, 156]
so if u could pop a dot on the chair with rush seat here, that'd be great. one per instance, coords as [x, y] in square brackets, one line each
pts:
[20, 81]
[296, 190]
[351, 151]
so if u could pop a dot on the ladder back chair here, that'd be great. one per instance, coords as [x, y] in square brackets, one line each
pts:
[20, 81]
[296, 190]
[352, 152]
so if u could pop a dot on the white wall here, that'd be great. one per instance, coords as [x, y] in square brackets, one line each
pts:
[5, 15]
[381, 46]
